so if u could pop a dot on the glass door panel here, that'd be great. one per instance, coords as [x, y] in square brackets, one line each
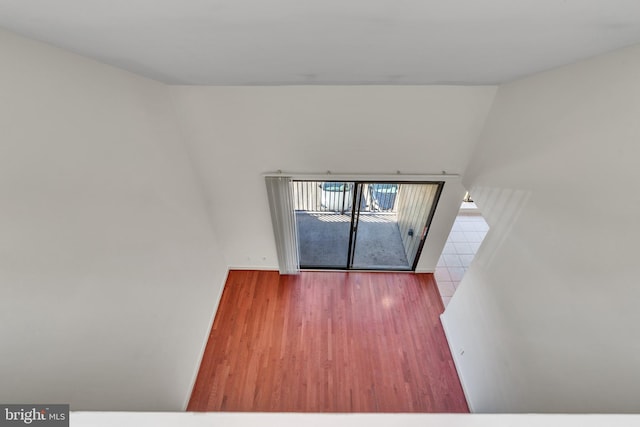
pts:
[377, 243]
[323, 219]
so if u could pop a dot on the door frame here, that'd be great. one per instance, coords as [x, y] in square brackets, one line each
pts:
[357, 194]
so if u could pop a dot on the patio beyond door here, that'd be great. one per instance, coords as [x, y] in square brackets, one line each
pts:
[363, 225]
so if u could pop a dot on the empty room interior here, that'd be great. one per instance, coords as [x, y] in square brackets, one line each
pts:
[247, 207]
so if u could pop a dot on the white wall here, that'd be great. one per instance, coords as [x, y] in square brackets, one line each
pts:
[547, 316]
[238, 133]
[109, 269]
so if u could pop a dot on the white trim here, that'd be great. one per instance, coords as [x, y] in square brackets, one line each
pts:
[206, 340]
[455, 363]
[262, 419]
[255, 267]
[364, 177]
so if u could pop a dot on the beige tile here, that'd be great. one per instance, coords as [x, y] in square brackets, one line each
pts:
[457, 236]
[442, 275]
[474, 236]
[475, 246]
[447, 289]
[468, 226]
[449, 248]
[465, 260]
[456, 273]
[452, 260]
[463, 249]
[481, 226]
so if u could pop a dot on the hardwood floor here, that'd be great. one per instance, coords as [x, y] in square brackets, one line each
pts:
[328, 342]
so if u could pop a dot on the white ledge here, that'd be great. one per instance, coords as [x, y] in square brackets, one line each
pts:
[240, 419]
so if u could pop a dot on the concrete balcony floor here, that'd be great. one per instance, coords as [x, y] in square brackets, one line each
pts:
[323, 239]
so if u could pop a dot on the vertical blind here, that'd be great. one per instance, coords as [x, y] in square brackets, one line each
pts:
[279, 191]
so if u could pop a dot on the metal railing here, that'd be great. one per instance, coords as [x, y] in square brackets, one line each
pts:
[338, 196]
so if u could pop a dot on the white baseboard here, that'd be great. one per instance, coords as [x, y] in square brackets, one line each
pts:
[454, 354]
[255, 267]
[203, 347]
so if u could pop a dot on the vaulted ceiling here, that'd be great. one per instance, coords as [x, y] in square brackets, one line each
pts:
[271, 42]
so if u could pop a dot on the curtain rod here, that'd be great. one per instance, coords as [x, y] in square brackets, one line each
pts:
[364, 176]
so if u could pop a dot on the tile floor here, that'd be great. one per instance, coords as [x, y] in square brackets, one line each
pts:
[462, 244]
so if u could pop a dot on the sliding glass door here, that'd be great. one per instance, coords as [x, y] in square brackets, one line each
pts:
[362, 225]
[323, 216]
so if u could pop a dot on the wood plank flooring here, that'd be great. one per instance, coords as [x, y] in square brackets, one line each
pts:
[328, 342]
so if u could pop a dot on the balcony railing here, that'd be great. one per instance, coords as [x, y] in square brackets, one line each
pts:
[338, 196]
